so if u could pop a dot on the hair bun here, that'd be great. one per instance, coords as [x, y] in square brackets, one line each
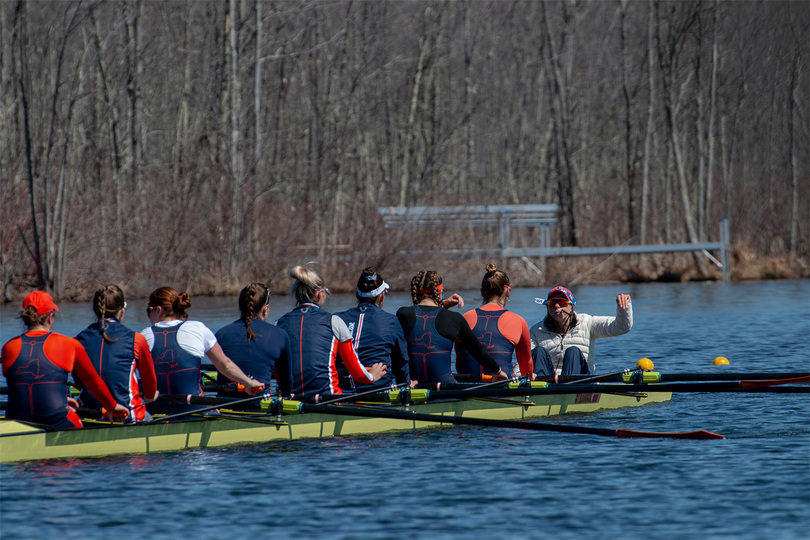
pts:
[182, 302]
[491, 268]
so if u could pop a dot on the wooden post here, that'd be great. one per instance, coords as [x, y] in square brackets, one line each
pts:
[726, 247]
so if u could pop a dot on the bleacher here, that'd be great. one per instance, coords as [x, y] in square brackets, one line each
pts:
[504, 216]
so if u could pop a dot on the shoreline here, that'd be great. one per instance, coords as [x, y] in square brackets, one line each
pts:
[341, 276]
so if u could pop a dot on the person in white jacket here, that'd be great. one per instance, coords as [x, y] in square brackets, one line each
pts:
[563, 342]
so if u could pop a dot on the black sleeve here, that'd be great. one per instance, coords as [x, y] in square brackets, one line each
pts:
[454, 327]
[407, 319]
[399, 356]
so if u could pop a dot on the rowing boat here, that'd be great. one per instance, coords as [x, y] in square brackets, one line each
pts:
[23, 442]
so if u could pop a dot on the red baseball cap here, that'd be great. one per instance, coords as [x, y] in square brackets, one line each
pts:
[562, 292]
[41, 301]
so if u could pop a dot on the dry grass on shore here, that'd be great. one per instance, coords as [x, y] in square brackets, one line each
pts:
[457, 273]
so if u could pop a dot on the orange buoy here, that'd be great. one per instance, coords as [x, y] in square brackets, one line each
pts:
[721, 361]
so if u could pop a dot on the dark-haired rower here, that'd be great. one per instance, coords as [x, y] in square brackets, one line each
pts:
[377, 335]
[260, 349]
[430, 331]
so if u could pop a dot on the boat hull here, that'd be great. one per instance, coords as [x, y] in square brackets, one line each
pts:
[20, 442]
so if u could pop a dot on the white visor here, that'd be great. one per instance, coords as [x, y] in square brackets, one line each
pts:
[375, 293]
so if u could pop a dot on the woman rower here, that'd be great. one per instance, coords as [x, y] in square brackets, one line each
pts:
[260, 349]
[317, 338]
[564, 342]
[430, 331]
[499, 330]
[178, 346]
[117, 352]
[36, 365]
[377, 335]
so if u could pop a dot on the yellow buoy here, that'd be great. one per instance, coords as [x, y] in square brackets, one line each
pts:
[721, 361]
[645, 363]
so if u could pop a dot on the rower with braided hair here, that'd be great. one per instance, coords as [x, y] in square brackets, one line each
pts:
[377, 335]
[260, 349]
[431, 329]
[117, 352]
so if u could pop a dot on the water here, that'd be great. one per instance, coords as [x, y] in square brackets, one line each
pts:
[481, 482]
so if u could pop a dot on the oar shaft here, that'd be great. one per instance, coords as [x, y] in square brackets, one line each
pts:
[229, 402]
[343, 410]
[616, 389]
[684, 377]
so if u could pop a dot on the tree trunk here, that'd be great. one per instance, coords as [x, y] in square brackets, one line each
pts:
[648, 133]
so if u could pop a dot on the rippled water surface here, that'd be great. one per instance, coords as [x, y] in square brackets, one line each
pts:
[483, 482]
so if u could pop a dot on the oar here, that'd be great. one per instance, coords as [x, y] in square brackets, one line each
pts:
[370, 412]
[222, 402]
[188, 399]
[495, 383]
[230, 402]
[684, 377]
[774, 382]
[740, 386]
[217, 387]
[625, 389]
[349, 397]
[605, 377]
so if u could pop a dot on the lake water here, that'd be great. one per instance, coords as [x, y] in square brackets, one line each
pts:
[467, 482]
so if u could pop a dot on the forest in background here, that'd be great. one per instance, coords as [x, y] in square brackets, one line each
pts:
[206, 144]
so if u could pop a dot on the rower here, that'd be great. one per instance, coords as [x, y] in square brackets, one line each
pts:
[502, 332]
[377, 335]
[117, 352]
[564, 342]
[318, 338]
[260, 349]
[36, 365]
[430, 330]
[178, 346]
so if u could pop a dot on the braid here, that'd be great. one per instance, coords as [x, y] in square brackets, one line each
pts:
[108, 300]
[250, 312]
[426, 280]
[435, 281]
[416, 285]
[251, 301]
[101, 311]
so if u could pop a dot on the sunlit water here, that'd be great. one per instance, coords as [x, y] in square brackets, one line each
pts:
[482, 482]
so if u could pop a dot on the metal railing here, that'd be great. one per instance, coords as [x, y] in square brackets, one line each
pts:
[542, 216]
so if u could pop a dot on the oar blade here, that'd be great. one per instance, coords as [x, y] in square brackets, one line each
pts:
[773, 382]
[701, 434]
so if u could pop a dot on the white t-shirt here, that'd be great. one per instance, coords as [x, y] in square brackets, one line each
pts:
[193, 337]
